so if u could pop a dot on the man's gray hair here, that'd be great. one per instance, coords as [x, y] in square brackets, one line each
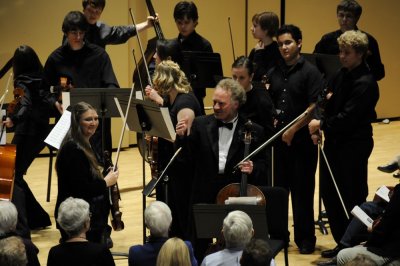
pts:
[8, 217]
[73, 214]
[158, 218]
[237, 91]
[237, 229]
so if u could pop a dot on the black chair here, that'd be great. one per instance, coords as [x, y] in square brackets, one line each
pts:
[277, 212]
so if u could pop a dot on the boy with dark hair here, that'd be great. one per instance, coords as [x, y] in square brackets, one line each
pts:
[186, 19]
[102, 34]
[348, 13]
[295, 86]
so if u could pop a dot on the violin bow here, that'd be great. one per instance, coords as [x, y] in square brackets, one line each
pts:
[230, 32]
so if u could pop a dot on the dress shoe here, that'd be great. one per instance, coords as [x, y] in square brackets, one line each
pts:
[389, 168]
[332, 261]
[330, 253]
[306, 249]
[397, 175]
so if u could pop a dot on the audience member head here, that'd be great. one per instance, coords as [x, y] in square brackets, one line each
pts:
[168, 76]
[92, 10]
[361, 260]
[353, 48]
[348, 13]
[74, 27]
[228, 96]
[168, 50]
[237, 229]
[186, 17]
[8, 217]
[26, 61]
[290, 43]
[158, 218]
[243, 72]
[12, 252]
[174, 252]
[268, 22]
[74, 216]
[256, 253]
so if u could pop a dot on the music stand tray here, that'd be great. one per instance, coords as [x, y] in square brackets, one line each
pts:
[100, 98]
[209, 218]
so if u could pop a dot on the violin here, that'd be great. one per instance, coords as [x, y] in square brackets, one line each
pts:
[15, 104]
[115, 197]
[243, 189]
[65, 86]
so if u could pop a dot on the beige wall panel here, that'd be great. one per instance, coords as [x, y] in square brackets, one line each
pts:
[379, 18]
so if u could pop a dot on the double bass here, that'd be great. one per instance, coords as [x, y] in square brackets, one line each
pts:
[146, 63]
[142, 73]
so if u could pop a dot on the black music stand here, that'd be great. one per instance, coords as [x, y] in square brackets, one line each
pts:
[203, 69]
[209, 217]
[101, 99]
[327, 64]
[147, 117]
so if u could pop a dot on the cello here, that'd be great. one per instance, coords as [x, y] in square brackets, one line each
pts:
[243, 189]
[8, 153]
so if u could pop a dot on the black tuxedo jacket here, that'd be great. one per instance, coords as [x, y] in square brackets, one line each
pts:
[201, 151]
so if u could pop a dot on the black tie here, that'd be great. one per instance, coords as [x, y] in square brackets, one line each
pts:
[227, 125]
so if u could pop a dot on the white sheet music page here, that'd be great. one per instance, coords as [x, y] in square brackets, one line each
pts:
[383, 193]
[2, 134]
[362, 216]
[168, 123]
[59, 131]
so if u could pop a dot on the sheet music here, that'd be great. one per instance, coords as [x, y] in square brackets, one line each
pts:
[59, 131]
[66, 99]
[362, 216]
[383, 193]
[3, 134]
[168, 123]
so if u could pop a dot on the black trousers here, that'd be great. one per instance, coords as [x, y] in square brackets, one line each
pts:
[31, 213]
[349, 164]
[295, 167]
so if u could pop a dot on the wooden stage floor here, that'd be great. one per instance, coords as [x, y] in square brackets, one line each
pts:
[130, 184]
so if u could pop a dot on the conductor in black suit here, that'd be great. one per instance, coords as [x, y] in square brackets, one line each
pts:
[215, 145]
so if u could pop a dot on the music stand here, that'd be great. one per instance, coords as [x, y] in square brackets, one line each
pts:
[101, 99]
[209, 217]
[203, 69]
[147, 117]
[327, 64]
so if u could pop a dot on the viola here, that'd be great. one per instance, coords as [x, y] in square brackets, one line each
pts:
[243, 189]
[115, 197]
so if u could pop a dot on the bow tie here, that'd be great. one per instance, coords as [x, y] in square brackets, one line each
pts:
[227, 125]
